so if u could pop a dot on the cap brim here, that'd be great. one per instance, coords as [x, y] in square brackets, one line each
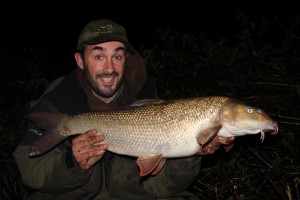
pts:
[108, 39]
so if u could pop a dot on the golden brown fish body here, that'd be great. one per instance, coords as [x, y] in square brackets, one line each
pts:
[172, 128]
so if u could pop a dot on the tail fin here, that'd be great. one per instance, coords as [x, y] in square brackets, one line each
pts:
[51, 137]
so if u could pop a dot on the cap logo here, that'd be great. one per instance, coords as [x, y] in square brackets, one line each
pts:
[108, 29]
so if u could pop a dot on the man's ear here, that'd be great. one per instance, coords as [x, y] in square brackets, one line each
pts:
[78, 59]
[127, 54]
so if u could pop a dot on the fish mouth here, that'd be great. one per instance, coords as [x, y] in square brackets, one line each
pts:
[266, 128]
[262, 129]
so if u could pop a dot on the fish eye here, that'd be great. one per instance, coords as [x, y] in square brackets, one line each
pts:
[249, 110]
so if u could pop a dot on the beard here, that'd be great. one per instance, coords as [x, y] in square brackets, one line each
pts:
[102, 90]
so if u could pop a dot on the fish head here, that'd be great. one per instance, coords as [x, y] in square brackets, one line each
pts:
[242, 119]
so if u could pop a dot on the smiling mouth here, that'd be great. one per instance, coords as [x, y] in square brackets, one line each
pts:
[107, 79]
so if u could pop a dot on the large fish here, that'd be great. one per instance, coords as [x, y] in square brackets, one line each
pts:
[154, 130]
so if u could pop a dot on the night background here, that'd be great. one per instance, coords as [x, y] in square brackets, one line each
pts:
[249, 50]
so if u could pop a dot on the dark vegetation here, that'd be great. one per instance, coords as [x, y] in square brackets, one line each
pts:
[258, 64]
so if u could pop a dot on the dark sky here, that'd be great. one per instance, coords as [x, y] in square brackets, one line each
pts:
[48, 25]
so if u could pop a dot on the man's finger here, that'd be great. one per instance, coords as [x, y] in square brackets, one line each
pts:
[227, 141]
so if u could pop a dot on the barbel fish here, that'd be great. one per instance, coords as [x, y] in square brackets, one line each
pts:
[154, 130]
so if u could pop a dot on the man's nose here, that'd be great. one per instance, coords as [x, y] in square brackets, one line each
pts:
[109, 66]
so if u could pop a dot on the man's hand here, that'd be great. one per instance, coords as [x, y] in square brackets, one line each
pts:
[87, 150]
[215, 144]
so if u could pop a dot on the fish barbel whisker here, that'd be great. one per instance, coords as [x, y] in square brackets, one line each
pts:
[262, 135]
[268, 127]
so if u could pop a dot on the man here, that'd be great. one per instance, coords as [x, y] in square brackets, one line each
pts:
[110, 74]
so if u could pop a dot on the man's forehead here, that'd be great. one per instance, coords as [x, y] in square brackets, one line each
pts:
[109, 47]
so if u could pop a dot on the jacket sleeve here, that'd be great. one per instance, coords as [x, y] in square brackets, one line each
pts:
[173, 180]
[52, 171]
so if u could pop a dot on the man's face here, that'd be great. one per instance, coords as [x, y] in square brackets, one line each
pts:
[104, 66]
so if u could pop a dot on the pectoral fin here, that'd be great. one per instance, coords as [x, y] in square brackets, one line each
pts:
[149, 163]
[207, 134]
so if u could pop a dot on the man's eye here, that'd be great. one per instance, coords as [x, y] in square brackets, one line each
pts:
[98, 57]
[118, 57]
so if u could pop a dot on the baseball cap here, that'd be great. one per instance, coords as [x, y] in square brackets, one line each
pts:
[103, 30]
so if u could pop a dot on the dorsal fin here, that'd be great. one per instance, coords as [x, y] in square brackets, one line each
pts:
[144, 102]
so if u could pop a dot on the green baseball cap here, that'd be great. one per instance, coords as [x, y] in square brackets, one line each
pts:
[103, 30]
